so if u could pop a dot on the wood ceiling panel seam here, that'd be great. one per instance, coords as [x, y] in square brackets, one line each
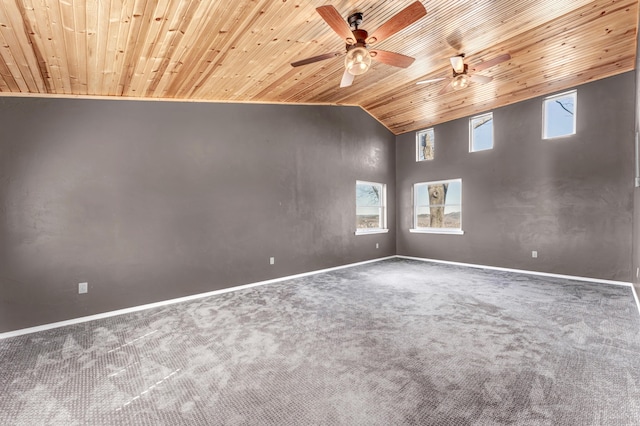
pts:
[42, 37]
[203, 52]
[323, 67]
[157, 37]
[173, 40]
[135, 40]
[195, 25]
[224, 73]
[111, 86]
[577, 27]
[33, 58]
[150, 43]
[10, 82]
[91, 26]
[43, 74]
[242, 27]
[60, 45]
[80, 21]
[267, 47]
[330, 82]
[4, 87]
[67, 16]
[18, 56]
[9, 60]
[100, 42]
[113, 24]
[157, 47]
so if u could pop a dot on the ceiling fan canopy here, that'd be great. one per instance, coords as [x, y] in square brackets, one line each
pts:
[358, 55]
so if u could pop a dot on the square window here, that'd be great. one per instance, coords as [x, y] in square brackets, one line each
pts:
[437, 206]
[425, 145]
[559, 115]
[481, 132]
[371, 206]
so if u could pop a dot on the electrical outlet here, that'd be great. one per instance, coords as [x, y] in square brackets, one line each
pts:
[377, 245]
[534, 254]
[83, 288]
[272, 261]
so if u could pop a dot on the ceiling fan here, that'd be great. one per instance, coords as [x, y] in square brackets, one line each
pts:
[461, 75]
[358, 56]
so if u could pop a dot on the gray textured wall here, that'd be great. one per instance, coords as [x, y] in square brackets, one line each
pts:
[149, 201]
[569, 199]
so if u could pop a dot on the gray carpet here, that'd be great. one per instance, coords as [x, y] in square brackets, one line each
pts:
[393, 342]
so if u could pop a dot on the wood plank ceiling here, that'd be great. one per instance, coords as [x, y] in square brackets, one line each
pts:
[240, 51]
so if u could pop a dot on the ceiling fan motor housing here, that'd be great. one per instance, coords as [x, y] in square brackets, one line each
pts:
[464, 71]
[361, 37]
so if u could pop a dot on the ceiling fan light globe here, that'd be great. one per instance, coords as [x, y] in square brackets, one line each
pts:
[460, 82]
[357, 61]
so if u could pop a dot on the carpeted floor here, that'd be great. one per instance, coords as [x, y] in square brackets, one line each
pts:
[392, 342]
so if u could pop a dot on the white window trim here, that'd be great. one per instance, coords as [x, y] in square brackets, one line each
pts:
[384, 229]
[372, 231]
[488, 114]
[573, 93]
[448, 231]
[436, 231]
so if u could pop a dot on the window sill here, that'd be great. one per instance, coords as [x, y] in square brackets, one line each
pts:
[371, 231]
[550, 138]
[437, 231]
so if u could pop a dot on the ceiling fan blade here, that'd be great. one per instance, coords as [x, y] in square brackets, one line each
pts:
[480, 79]
[433, 80]
[316, 59]
[333, 18]
[392, 58]
[455, 40]
[457, 63]
[446, 88]
[347, 79]
[401, 20]
[491, 62]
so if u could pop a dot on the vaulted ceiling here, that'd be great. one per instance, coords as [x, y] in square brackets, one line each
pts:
[240, 51]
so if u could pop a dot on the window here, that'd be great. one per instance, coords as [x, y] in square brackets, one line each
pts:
[437, 207]
[481, 132]
[559, 115]
[371, 206]
[424, 145]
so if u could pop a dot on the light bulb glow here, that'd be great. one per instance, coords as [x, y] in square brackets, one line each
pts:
[460, 81]
[357, 61]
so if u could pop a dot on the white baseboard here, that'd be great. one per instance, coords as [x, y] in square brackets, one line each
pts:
[521, 271]
[524, 271]
[289, 277]
[635, 296]
[79, 320]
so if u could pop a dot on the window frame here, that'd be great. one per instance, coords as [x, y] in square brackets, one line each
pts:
[574, 94]
[429, 230]
[418, 134]
[383, 210]
[471, 138]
